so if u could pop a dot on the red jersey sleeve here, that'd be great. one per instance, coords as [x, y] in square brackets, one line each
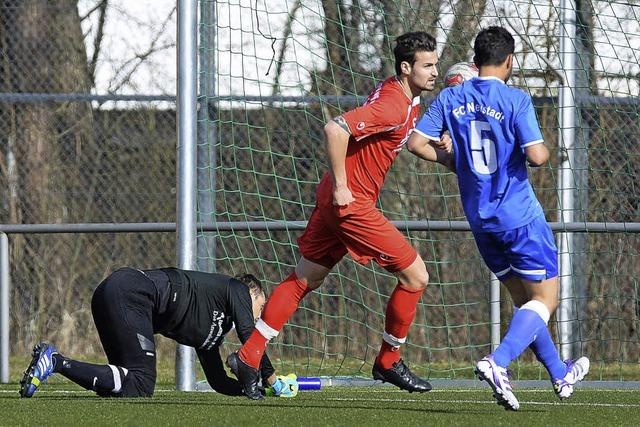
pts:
[384, 110]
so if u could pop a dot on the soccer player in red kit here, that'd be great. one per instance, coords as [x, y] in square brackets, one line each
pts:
[361, 145]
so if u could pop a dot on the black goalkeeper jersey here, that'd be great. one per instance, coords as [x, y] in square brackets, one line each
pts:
[198, 309]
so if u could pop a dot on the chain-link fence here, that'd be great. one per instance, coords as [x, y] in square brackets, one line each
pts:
[68, 156]
[72, 150]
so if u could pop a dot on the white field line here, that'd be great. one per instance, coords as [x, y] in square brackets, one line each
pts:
[426, 400]
[483, 402]
[372, 390]
[472, 390]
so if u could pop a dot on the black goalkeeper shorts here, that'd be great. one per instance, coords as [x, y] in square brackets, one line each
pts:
[122, 308]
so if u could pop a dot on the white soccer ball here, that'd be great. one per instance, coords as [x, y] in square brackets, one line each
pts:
[459, 73]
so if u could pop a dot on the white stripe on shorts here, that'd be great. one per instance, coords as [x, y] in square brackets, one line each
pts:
[542, 272]
[503, 272]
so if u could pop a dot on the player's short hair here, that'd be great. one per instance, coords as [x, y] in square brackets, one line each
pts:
[252, 282]
[408, 44]
[492, 46]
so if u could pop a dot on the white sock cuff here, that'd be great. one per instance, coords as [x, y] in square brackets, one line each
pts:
[540, 308]
[117, 380]
[393, 341]
[265, 330]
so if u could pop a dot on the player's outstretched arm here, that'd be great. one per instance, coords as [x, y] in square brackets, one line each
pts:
[424, 148]
[420, 146]
[537, 154]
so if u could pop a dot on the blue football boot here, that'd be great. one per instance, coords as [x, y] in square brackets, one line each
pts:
[40, 368]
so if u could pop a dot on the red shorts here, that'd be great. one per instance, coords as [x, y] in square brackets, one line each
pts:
[363, 232]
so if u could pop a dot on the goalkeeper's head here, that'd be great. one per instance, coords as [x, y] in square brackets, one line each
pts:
[258, 297]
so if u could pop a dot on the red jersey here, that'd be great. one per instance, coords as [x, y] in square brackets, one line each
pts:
[379, 130]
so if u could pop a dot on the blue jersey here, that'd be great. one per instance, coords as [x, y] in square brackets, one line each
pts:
[490, 124]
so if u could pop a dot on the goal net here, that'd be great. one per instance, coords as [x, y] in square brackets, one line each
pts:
[273, 73]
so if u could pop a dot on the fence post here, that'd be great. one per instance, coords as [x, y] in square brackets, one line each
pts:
[495, 312]
[567, 182]
[187, 153]
[4, 309]
[207, 134]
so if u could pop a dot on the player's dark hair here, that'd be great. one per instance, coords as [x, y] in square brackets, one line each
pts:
[252, 282]
[492, 46]
[408, 44]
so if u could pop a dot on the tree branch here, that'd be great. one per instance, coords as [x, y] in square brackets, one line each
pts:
[97, 41]
[287, 33]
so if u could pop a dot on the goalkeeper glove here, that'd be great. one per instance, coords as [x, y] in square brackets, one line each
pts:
[284, 386]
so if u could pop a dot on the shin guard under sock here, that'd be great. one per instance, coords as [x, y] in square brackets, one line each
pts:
[525, 325]
[400, 312]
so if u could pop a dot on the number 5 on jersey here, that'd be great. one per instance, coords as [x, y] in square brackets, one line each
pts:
[483, 148]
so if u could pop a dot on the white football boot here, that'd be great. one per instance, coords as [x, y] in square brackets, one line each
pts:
[498, 379]
[576, 371]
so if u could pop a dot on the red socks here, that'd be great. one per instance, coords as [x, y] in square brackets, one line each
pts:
[401, 310]
[281, 305]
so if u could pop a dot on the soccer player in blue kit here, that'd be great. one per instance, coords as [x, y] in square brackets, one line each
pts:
[495, 133]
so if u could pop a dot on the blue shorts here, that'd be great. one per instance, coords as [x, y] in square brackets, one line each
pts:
[528, 252]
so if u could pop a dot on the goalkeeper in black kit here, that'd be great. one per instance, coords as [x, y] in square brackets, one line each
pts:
[194, 308]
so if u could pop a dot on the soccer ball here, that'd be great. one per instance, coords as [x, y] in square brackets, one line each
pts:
[459, 73]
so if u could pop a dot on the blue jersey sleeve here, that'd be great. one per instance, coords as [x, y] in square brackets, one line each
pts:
[526, 124]
[432, 123]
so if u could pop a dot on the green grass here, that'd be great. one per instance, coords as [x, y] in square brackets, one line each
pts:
[351, 367]
[65, 404]
[62, 403]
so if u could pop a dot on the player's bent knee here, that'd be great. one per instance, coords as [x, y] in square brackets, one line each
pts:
[422, 280]
[137, 387]
[416, 276]
[311, 273]
[545, 291]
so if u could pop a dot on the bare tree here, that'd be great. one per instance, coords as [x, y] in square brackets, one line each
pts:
[466, 22]
[401, 16]
[53, 163]
[47, 140]
[287, 33]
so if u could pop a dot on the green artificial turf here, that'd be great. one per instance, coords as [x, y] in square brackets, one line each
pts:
[66, 404]
[61, 402]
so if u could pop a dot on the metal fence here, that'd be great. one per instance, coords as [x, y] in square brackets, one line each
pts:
[77, 147]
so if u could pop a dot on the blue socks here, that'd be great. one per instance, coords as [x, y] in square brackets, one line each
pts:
[546, 352]
[527, 323]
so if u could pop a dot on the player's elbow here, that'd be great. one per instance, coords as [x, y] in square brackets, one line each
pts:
[538, 160]
[537, 155]
[415, 143]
